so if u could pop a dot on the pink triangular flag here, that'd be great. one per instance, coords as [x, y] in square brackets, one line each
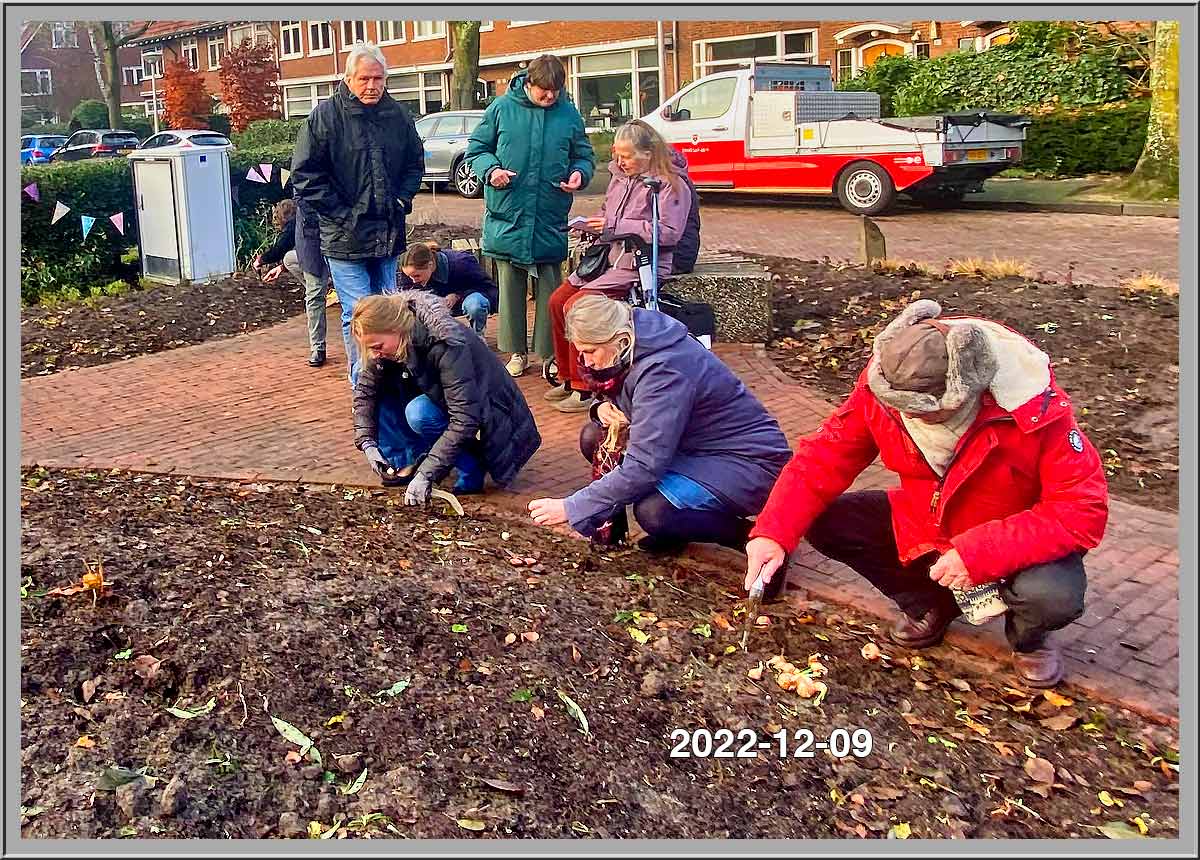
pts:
[32, 190]
[118, 222]
[59, 211]
[265, 170]
[254, 176]
[284, 174]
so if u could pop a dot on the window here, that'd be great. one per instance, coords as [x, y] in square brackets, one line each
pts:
[298, 101]
[26, 143]
[320, 40]
[424, 126]
[800, 46]
[708, 100]
[486, 26]
[389, 32]
[131, 76]
[189, 52]
[732, 54]
[260, 33]
[289, 39]
[353, 31]
[845, 64]
[997, 37]
[149, 105]
[419, 92]
[151, 65]
[64, 35]
[921, 50]
[428, 30]
[36, 82]
[216, 50]
[967, 43]
[614, 87]
[449, 126]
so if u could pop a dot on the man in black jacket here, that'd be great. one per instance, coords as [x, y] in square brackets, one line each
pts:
[358, 162]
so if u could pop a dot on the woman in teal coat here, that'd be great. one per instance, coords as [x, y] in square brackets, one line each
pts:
[532, 154]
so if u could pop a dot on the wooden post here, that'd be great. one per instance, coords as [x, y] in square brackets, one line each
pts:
[871, 243]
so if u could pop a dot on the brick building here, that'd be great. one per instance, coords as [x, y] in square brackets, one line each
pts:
[615, 69]
[58, 71]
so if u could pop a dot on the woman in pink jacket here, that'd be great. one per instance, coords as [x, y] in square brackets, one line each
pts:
[625, 219]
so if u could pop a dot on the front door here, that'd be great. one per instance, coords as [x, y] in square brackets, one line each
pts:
[702, 127]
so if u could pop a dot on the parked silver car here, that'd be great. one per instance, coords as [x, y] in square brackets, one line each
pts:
[445, 135]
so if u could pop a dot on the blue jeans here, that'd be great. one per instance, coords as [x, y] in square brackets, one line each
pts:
[477, 307]
[354, 280]
[408, 430]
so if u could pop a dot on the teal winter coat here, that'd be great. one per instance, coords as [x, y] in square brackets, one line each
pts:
[526, 222]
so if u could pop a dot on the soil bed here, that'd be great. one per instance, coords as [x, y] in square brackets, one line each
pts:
[313, 604]
[1114, 352]
[85, 334]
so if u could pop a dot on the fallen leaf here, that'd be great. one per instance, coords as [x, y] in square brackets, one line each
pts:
[192, 713]
[900, 831]
[1108, 800]
[1143, 785]
[960, 685]
[1039, 770]
[458, 628]
[333, 721]
[756, 673]
[89, 690]
[503, 785]
[114, 777]
[471, 824]
[146, 667]
[1055, 699]
[292, 734]
[522, 695]
[637, 635]
[292, 757]
[704, 630]
[871, 651]
[537, 712]
[123, 655]
[575, 655]
[356, 786]
[1059, 723]
[762, 621]
[531, 636]
[483, 669]
[85, 741]
[465, 665]
[1119, 830]
[721, 621]
[821, 636]
[574, 710]
[510, 638]
[393, 691]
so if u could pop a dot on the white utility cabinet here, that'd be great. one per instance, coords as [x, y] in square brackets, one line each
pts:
[184, 213]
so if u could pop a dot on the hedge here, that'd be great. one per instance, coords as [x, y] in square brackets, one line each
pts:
[1102, 139]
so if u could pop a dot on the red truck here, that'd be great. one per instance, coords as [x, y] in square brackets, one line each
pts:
[780, 128]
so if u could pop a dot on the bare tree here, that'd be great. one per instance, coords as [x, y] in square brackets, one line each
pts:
[108, 38]
[466, 64]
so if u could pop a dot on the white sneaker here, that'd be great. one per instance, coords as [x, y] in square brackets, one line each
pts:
[558, 392]
[517, 364]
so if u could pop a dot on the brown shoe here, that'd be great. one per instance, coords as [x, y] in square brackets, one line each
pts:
[925, 631]
[1040, 668]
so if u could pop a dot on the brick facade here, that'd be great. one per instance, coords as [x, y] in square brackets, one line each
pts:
[66, 53]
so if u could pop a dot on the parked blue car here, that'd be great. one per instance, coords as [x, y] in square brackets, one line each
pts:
[36, 148]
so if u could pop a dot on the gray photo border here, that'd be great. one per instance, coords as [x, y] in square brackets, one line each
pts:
[1185, 845]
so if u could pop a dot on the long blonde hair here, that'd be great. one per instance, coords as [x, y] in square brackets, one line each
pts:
[597, 319]
[382, 315]
[649, 143]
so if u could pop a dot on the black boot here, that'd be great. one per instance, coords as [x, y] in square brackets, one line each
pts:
[316, 358]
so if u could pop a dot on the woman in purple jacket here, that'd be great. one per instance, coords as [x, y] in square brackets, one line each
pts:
[703, 452]
[625, 219]
[455, 276]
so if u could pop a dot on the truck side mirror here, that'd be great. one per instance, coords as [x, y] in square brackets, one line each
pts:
[681, 114]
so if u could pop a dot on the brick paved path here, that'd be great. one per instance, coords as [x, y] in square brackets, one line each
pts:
[248, 407]
[1102, 249]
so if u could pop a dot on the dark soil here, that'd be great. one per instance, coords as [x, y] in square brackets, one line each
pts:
[1116, 353]
[308, 603]
[139, 322]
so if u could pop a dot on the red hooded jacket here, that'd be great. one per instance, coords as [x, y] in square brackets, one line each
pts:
[1025, 487]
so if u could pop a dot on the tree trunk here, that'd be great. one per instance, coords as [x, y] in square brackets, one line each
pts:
[112, 59]
[466, 65]
[1157, 171]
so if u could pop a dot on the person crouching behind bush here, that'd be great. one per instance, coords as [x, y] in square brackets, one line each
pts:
[432, 397]
[454, 276]
[702, 452]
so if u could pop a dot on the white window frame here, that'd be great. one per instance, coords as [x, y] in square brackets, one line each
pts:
[222, 47]
[314, 51]
[916, 45]
[810, 57]
[59, 32]
[837, 66]
[990, 37]
[40, 75]
[257, 29]
[700, 64]
[137, 76]
[487, 26]
[155, 63]
[347, 44]
[431, 37]
[379, 40]
[295, 28]
[193, 45]
[421, 88]
[512, 25]
[978, 43]
[314, 98]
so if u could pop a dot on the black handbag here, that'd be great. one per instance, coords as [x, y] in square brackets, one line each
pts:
[593, 263]
[699, 318]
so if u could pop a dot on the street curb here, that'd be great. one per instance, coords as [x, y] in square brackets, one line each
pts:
[1154, 210]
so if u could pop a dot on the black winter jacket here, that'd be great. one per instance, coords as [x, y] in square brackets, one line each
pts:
[454, 368]
[284, 242]
[358, 167]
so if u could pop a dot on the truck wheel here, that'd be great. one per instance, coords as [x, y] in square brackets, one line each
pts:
[466, 182]
[865, 188]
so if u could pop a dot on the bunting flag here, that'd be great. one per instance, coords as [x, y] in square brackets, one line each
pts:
[284, 174]
[118, 222]
[253, 175]
[86, 222]
[32, 190]
[59, 212]
[265, 170]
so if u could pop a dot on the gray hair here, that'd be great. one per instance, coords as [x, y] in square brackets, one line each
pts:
[595, 319]
[361, 51]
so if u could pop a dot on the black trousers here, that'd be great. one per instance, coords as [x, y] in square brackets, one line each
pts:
[856, 529]
[669, 524]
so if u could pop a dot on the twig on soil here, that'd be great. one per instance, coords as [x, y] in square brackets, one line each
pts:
[245, 710]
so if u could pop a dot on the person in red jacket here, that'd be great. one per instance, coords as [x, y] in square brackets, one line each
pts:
[998, 485]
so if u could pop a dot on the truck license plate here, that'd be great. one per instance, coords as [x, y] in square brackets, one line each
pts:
[977, 155]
